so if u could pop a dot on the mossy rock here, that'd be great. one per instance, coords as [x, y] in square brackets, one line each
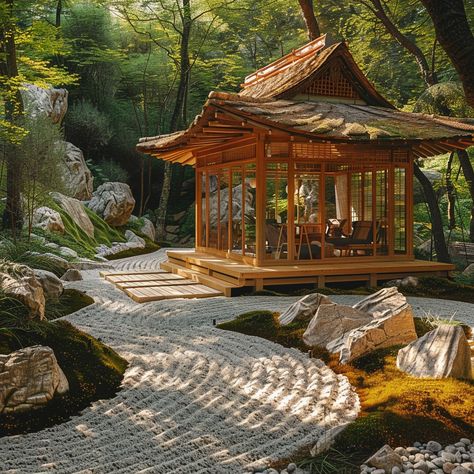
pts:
[94, 371]
[255, 323]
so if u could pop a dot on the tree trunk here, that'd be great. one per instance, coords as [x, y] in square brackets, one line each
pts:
[450, 193]
[436, 221]
[179, 113]
[312, 25]
[428, 75]
[13, 215]
[456, 38]
[59, 11]
[468, 172]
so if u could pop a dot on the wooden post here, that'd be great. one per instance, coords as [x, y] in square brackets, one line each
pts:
[198, 204]
[409, 204]
[290, 235]
[260, 176]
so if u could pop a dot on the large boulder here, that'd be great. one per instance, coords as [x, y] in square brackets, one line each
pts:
[25, 288]
[382, 303]
[331, 322]
[145, 226]
[48, 102]
[469, 270]
[48, 219]
[75, 209]
[113, 202]
[443, 352]
[52, 286]
[135, 239]
[29, 378]
[77, 176]
[390, 330]
[304, 309]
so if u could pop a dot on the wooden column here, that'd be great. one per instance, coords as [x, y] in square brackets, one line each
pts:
[409, 204]
[260, 186]
[198, 204]
[291, 204]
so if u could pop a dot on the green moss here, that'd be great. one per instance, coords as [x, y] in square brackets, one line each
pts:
[150, 247]
[256, 323]
[103, 232]
[436, 287]
[69, 302]
[94, 371]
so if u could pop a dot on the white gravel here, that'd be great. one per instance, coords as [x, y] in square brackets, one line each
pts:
[195, 399]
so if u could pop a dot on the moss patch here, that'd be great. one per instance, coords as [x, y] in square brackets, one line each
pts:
[396, 409]
[149, 248]
[69, 302]
[94, 372]
[265, 324]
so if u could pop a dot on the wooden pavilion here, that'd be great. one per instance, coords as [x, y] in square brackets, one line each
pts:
[305, 176]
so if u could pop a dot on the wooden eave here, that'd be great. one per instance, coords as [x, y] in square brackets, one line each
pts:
[222, 126]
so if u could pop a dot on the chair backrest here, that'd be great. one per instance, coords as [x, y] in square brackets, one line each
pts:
[362, 230]
[272, 233]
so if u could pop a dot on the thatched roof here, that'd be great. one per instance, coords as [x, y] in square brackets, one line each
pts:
[321, 120]
[287, 81]
[273, 99]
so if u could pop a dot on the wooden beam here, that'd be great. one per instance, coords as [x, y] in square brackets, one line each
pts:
[229, 145]
[260, 199]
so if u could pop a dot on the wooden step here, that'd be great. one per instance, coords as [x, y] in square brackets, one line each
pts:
[214, 282]
[156, 293]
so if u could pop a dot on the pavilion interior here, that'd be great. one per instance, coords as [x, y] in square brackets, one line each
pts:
[353, 205]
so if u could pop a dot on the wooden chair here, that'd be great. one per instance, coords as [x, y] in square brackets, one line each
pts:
[361, 238]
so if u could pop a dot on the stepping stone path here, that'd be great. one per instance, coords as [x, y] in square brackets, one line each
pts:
[195, 399]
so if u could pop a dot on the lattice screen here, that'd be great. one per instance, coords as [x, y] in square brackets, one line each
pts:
[332, 82]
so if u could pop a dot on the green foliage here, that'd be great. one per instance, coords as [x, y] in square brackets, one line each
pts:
[87, 127]
[30, 253]
[332, 461]
[112, 171]
[94, 371]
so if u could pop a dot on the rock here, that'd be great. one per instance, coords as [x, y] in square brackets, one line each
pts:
[331, 323]
[469, 270]
[56, 259]
[48, 102]
[52, 286]
[67, 252]
[383, 302]
[422, 466]
[387, 331]
[304, 309]
[433, 446]
[48, 219]
[132, 237]
[27, 289]
[407, 282]
[77, 176]
[75, 209]
[385, 458]
[145, 226]
[113, 202]
[30, 377]
[443, 352]
[460, 470]
[72, 275]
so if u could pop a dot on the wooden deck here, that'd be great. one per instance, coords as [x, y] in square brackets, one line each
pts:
[227, 275]
[158, 285]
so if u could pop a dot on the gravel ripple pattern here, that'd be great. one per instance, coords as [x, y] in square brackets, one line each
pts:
[194, 399]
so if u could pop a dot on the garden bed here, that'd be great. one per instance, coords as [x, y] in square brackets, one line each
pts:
[396, 409]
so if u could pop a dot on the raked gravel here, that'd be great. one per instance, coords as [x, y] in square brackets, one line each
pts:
[194, 399]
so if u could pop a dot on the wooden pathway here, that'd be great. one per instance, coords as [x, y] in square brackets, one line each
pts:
[146, 286]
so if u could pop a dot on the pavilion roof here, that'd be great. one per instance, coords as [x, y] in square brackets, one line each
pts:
[320, 121]
[292, 74]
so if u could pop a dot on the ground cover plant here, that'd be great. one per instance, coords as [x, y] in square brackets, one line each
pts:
[396, 409]
[94, 371]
